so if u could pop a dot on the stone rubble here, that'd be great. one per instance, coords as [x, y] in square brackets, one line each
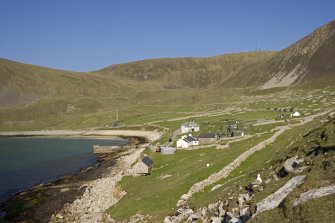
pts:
[99, 194]
[239, 207]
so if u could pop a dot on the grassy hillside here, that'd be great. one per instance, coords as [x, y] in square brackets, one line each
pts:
[33, 97]
[308, 61]
[157, 194]
[191, 72]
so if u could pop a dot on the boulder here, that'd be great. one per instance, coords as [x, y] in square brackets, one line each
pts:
[228, 216]
[289, 166]
[222, 212]
[193, 217]
[235, 220]
[245, 214]
[59, 216]
[216, 219]
[212, 207]
[179, 211]
[240, 201]
[203, 211]
[184, 197]
[235, 211]
[188, 211]
[167, 219]
[180, 203]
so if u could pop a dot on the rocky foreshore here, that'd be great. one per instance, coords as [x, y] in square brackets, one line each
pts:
[71, 197]
[99, 194]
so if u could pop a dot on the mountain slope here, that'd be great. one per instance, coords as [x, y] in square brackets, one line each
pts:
[190, 72]
[31, 93]
[24, 83]
[306, 61]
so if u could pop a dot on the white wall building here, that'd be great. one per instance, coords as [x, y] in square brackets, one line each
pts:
[295, 114]
[187, 141]
[189, 127]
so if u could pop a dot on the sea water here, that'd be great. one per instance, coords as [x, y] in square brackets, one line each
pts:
[29, 161]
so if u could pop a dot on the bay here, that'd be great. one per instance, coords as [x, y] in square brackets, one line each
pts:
[29, 161]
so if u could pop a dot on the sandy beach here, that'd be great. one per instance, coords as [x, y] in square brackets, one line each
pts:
[150, 135]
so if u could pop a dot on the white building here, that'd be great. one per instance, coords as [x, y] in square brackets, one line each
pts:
[189, 127]
[187, 141]
[295, 114]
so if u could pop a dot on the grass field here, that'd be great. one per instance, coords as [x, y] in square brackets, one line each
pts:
[173, 175]
[156, 195]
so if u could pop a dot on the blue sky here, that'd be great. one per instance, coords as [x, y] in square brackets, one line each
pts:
[87, 35]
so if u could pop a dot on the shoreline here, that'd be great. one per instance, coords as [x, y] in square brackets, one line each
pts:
[112, 137]
[53, 189]
[43, 201]
[149, 135]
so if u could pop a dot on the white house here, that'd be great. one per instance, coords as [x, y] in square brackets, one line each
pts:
[187, 141]
[189, 127]
[295, 114]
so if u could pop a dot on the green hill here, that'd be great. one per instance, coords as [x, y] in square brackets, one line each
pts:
[190, 72]
[307, 61]
[51, 98]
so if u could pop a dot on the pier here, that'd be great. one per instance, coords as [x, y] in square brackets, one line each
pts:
[105, 149]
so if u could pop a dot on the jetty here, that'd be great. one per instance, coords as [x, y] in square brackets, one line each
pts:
[105, 149]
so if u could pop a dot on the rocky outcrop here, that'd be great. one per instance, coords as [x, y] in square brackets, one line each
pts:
[314, 193]
[291, 166]
[276, 198]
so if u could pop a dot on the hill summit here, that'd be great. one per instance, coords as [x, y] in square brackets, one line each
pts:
[308, 59]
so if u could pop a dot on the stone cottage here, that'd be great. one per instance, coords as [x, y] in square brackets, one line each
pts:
[207, 138]
[143, 166]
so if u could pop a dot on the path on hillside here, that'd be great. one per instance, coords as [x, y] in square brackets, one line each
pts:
[215, 177]
[200, 114]
[173, 137]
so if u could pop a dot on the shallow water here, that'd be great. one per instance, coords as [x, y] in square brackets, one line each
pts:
[29, 161]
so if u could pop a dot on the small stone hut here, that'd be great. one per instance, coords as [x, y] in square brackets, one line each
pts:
[144, 166]
[168, 150]
[207, 138]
